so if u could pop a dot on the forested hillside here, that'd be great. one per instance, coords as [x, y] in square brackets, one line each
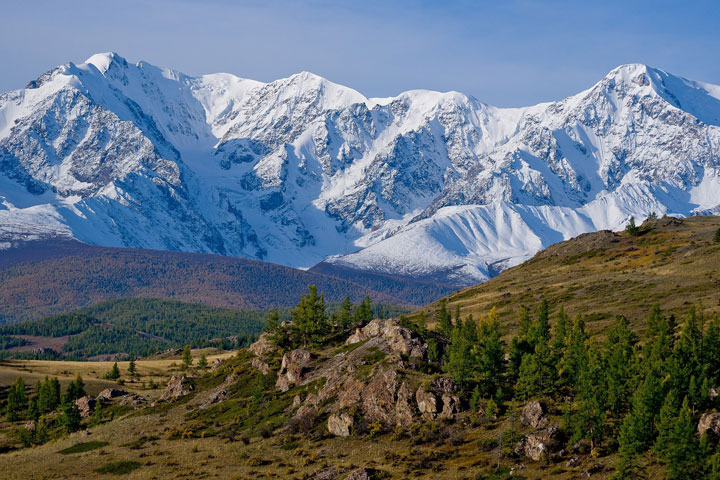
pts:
[50, 277]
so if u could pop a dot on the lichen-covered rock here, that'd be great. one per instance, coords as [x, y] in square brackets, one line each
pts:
[533, 415]
[86, 405]
[400, 339]
[427, 404]
[258, 364]
[292, 369]
[178, 386]
[110, 393]
[539, 445]
[340, 424]
[709, 421]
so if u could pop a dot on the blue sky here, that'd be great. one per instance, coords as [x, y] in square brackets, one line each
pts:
[504, 52]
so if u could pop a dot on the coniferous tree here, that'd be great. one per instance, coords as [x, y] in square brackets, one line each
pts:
[444, 320]
[489, 353]
[187, 359]
[460, 362]
[683, 454]
[588, 421]
[618, 358]
[638, 428]
[202, 362]
[666, 423]
[114, 372]
[71, 418]
[560, 333]
[575, 356]
[75, 390]
[631, 228]
[345, 314]
[17, 401]
[309, 318]
[131, 367]
[363, 312]
[716, 237]
[539, 331]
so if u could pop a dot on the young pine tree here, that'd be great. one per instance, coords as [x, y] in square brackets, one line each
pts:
[132, 368]
[187, 359]
[716, 237]
[114, 372]
[202, 362]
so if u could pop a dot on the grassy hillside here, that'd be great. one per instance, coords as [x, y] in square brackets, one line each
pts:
[672, 262]
[50, 277]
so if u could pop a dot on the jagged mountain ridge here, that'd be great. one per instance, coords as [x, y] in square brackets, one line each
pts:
[301, 170]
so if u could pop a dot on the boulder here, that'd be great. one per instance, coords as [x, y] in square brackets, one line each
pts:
[132, 399]
[263, 346]
[292, 369]
[709, 421]
[178, 386]
[110, 393]
[450, 406]
[379, 397]
[400, 339]
[327, 474]
[218, 396]
[427, 404]
[258, 364]
[86, 405]
[340, 424]
[533, 415]
[539, 445]
[359, 474]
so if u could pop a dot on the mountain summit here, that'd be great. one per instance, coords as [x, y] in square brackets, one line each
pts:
[302, 170]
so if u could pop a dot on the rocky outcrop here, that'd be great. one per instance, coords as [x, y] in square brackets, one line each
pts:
[258, 364]
[440, 399]
[539, 445]
[110, 393]
[427, 404]
[178, 386]
[263, 346]
[86, 405]
[132, 399]
[292, 369]
[533, 415]
[709, 422]
[359, 474]
[400, 339]
[340, 424]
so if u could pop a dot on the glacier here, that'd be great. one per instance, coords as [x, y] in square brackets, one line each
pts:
[431, 185]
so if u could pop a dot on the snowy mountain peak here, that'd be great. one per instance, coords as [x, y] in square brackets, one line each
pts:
[300, 170]
[103, 61]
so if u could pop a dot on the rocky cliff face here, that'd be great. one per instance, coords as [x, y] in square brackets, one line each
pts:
[434, 185]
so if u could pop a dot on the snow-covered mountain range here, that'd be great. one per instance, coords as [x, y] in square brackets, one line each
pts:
[301, 170]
